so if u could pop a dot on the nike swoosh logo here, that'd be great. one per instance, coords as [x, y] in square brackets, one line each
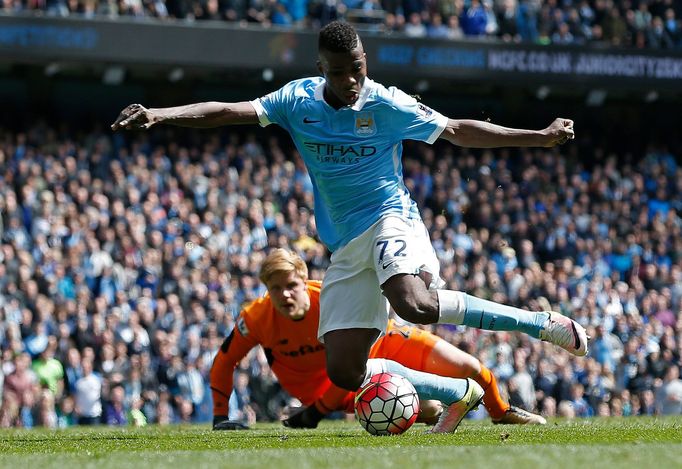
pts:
[309, 121]
[385, 266]
[576, 338]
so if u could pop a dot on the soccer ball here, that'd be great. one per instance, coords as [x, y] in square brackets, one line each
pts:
[387, 405]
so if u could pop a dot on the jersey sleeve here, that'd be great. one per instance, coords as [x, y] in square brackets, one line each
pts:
[414, 120]
[273, 107]
[232, 351]
[333, 399]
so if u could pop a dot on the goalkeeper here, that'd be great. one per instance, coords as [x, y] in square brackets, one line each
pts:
[285, 323]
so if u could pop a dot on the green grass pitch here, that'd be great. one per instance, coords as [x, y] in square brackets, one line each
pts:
[645, 443]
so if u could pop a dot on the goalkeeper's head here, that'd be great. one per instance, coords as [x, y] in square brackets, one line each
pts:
[285, 273]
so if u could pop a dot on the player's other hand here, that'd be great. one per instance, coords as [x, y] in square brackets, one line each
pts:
[304, 417]
[559, 132]
[135, 116]
[223, 423]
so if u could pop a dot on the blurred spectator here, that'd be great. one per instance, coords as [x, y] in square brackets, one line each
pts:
[566, 410]
[620, 24]
[191, 384]
[115, 412]
[474, 19]
[20, 381]
[658, 37]
[88, 396]
[136, 416]
[49, 370]
[66, 415]
[436, 28]
[578, 403]
[669, 398]
[415, 27]
[454, 29]
[47, 413]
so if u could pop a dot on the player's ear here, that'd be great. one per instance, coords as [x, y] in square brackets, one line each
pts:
[319, 68]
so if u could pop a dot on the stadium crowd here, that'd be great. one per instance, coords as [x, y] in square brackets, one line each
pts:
[125, 258]
[640, 24]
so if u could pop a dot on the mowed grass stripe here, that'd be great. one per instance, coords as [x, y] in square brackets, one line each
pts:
[627, 442]
[642, 455]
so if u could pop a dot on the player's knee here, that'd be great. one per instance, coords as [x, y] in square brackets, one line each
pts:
[417, 309]
[345, 376]
[471, 367]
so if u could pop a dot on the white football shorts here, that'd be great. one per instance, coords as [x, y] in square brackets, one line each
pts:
[351, 291]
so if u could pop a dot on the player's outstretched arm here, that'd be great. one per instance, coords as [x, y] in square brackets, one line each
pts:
[481, 134]
[199, 115]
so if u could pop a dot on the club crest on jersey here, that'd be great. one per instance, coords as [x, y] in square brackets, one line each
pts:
[365, 125]
[241, 325]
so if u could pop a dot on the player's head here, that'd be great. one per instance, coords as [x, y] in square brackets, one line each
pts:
[342, 62]
[284, 274]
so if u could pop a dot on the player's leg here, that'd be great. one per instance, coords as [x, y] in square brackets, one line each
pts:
[443, 358]
[429, 410]
[347, 352]
[458, 396]
[408, 271]
[446, 359]
[353, 312]
[421, 350]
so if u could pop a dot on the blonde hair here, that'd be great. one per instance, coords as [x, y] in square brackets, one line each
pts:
[282, 260]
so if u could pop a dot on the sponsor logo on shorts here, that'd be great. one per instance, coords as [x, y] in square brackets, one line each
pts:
[386, 265]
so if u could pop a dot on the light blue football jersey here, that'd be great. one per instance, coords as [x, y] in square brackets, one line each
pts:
[353, 154]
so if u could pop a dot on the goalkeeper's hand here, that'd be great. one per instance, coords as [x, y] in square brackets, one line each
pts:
[224, 423]
[305, 417]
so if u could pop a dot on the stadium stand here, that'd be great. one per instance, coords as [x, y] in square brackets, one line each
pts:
[126, 257]
[638, 24]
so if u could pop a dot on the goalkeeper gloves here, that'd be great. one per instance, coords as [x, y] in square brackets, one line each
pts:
[306, 417]
[221, 422]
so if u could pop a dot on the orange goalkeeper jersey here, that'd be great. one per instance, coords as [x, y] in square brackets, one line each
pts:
[296, 356]
[294, 353]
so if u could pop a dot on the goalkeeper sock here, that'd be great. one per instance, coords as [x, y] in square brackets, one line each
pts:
[492, 400]
[459, 308]
[427, 385]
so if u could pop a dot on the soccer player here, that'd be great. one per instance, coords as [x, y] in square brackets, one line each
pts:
[349, 131]
[285, 322]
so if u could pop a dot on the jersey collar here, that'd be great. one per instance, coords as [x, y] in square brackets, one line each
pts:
[362, 99]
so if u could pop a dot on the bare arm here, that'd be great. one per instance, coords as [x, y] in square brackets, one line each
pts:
[199, 115]
[480, 134]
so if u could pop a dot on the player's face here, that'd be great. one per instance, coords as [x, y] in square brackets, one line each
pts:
[289, 295]
[344, 73]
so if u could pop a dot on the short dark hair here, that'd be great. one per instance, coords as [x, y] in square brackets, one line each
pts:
[338, 36]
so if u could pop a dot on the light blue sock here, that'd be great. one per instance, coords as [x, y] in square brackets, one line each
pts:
[428, 386]
[492, 316]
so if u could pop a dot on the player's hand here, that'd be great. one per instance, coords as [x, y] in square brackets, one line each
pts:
[135, 116]
[223, 423]
[304, 417]
[559, 132]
